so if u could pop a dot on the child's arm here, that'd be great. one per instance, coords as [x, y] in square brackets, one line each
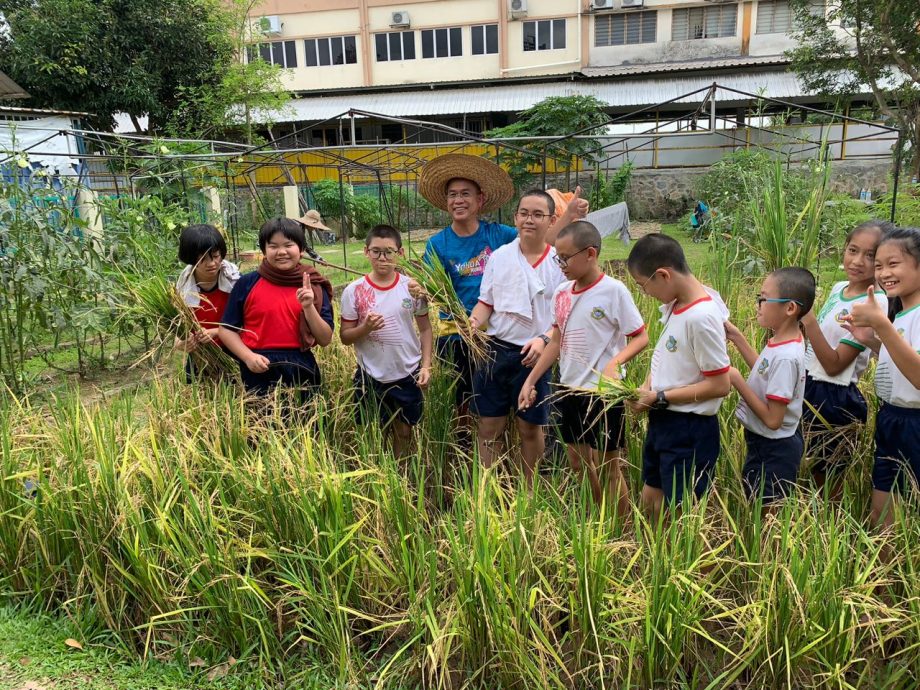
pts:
[321, 330]
[256, 363]
[427, 340]
[770, 411]
[576, 209]
[715, 386]
[736, 337]
[902, 352]
[351, 332]
[480, 315]
[636, 344]
[549, 356]
[833, 360]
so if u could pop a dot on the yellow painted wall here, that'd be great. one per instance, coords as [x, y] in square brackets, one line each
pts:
[320, 166]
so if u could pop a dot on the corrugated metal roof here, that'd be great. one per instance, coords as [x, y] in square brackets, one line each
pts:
[631, 93]
[687, 66]
[10, 89]
[39, 111]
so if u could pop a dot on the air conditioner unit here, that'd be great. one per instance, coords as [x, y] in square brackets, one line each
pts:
[627, 4]
[400, 20]
[602, 5]
[517, 8]
[270, 25]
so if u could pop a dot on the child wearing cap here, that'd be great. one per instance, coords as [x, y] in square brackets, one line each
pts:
[772, 396]
[597, 329]
[688, 376]
[379, 317]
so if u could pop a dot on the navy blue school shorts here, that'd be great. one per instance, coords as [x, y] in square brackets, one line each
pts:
[587, 420]
[289, 368]
[681, 449]
[839, 406]
[771, 465]
[498, 381]
[402, 398]
[897, 447]
[453, 351]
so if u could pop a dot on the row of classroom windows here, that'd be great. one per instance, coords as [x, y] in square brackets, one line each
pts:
[716, 21]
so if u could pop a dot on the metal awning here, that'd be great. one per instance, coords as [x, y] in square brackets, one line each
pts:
[618, 94]
[10, 89]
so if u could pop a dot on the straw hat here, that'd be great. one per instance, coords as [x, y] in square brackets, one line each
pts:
[496, 185]
[313, 219]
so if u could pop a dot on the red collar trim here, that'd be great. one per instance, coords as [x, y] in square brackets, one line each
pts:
[785, 342]
[381, 287]
[707, 298]
[540, 260]
[578, 292]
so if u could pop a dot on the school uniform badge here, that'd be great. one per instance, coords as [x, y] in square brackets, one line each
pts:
[671, 344]
[407, 303]
[764, 367]
[842, 315]
[597, 313]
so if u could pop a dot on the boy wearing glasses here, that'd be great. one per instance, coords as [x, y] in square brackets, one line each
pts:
[688, 376]
[593, 316]
[379, 317]
[771, 399]
[515, 306]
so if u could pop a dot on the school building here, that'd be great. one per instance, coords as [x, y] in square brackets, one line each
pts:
[474, 64]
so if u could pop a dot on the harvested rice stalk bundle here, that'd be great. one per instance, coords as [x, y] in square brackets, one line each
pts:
[440, 292]
[611, 391]
[157, 301]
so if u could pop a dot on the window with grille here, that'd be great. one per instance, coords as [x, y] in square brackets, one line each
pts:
[335, 50]
[442, 42]
[714, 21]
[395, 45]
[485, 39]
[546, 34]
[774, 17]
[281, 53]
[625, 29]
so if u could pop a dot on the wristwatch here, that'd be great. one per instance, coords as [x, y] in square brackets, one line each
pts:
[661, 402]
[544, 338]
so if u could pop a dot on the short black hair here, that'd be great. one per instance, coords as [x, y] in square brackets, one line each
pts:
[655, 251]
[796, 283]
[583, 234]
[196, 241]
[548, 198]
[384, 232]
[875, 225]
[464, 179]
[288, 227]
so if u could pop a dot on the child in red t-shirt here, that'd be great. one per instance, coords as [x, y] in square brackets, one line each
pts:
[204, 284]
[278, 313]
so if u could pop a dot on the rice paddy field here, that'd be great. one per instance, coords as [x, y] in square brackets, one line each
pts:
[179, 524]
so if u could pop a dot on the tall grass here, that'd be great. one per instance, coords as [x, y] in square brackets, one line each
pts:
[178, 520]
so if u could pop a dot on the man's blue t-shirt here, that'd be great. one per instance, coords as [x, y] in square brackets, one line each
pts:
[465, 258]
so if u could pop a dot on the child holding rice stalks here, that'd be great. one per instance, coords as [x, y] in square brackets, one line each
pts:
[380, 318]
[515, 307]
[278, 313]
[204, 286]
[772, 396]
[835, 360]
[687, 380]
[597, 329]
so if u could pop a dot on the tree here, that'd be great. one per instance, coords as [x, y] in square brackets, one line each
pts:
[553, 117]
[176, 61]
[864, 43]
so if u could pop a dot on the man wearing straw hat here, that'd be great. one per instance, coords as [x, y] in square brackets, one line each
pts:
[312, 220]
[467, 186]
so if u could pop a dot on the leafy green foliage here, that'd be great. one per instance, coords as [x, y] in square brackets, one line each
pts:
[174, 60]
[555, 117]
[610, 189]
[857, 43]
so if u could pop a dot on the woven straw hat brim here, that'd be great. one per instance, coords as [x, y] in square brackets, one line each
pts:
[495, 183]
[313, 223]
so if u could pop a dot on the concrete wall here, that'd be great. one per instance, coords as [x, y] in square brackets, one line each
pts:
[667, 194]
